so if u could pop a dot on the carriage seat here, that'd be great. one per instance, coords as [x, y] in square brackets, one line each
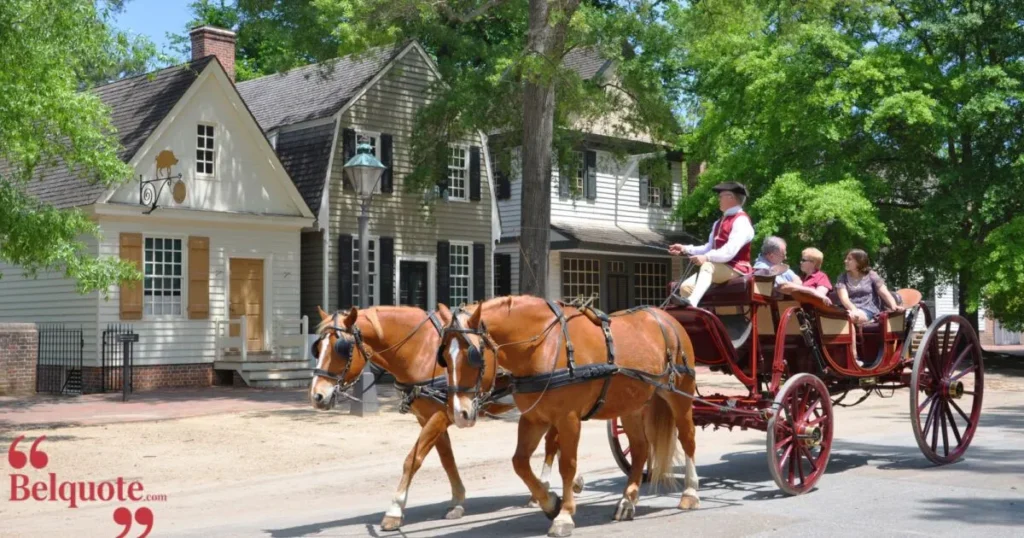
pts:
[736, 291]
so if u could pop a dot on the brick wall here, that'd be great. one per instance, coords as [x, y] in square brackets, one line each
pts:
[208, 40]
[156, 377]
[18, 351]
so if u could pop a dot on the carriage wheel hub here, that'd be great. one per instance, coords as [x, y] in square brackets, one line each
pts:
[809, 435]
[955, 390]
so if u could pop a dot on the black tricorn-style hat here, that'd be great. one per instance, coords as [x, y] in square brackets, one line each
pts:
[730, 186]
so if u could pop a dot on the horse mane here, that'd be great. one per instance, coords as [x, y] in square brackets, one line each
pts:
[371, 314]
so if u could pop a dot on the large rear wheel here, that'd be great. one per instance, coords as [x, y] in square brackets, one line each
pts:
[946, 389]
[800, 434]
[620, 448]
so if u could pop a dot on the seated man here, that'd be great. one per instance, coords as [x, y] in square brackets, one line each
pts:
[773, 256]
[726, 255]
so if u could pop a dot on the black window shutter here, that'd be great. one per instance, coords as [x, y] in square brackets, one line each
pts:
[474, 173]
[387, 179]
[387, 270]
[590, 175]
[644, 202]
[502, 275]
[666, 192]
[479, 272]
[348, 146]
[344, 271]
[504, 183]
[443, 271]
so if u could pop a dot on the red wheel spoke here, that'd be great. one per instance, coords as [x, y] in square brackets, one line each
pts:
[783, 442]
[952, 423]
[626, 452]
[929, 420]
[945, 435]
[800, 463]
[952, 350]
[810, 459]
[817, 421]
[925, 403]
[962, 414]
[811, 408]
[935, 430]
[965, 372]
[959, 358]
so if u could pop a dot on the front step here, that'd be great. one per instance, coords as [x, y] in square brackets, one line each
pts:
[268, 371]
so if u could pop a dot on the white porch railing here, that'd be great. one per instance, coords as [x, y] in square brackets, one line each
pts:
[279, 340]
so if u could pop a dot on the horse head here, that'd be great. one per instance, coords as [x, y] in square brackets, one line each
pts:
[341, 357]
[462, 354]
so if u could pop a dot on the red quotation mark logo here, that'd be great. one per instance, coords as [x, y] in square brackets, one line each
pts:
[18, 459]
[143, 516]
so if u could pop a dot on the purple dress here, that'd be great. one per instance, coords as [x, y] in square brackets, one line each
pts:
[864, 293]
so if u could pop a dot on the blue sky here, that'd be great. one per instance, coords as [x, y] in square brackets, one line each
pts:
[154, 18]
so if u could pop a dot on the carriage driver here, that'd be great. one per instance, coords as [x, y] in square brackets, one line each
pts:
[726, 255]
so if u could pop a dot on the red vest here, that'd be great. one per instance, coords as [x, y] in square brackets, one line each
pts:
[740, 262]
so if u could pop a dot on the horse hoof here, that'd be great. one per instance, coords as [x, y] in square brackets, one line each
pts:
[577, 485]
[455, 512]
[561, 528]
[532, 504]
[558, 506]
[390, 523]
[625, 510]
[689, 502]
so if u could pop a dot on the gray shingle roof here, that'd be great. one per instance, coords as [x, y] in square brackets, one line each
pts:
[586, 61]
[314, 91]
[305, 154]
[616, 238]
[137, 106]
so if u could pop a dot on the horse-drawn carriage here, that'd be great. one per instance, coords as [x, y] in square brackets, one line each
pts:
[794, 354]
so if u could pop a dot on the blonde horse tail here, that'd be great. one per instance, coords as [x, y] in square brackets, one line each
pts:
[660, 430]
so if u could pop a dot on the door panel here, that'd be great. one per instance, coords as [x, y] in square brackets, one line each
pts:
[246, 297]
[618, 292]
[412, 284]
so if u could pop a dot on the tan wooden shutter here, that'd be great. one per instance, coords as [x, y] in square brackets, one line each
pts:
[198, 278]
[131, 291]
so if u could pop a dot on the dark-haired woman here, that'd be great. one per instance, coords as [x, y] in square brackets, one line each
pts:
[861, 290]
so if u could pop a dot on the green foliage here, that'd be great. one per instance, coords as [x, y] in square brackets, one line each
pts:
[49, 51]
[918, 103]
[1000, 273]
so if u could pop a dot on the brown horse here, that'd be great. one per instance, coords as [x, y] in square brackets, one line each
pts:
[404, 341]
[532, 339]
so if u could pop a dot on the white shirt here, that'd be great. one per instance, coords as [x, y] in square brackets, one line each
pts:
[741, 234]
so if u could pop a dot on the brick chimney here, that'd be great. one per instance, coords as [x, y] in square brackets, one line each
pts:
[210, 40]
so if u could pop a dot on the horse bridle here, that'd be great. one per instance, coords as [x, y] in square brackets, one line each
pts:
[343, 347]
[476, 358]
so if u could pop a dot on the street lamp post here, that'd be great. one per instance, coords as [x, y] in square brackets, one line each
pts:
[364, 170]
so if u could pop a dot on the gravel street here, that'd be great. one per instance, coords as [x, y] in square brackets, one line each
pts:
[287, 470]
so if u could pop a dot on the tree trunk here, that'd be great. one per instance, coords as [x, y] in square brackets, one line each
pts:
[546, 40]
[963, 279]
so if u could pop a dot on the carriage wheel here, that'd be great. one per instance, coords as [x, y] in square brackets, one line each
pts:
[946, 389]
[800, 434]
[620, 448]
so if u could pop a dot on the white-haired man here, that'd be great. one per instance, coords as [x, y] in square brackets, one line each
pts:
[726, 255]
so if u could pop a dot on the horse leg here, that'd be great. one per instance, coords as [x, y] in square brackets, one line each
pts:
[683, 407]
[444, 451]
[530, 434]
[569, 439]
[432, 429]
[633, 425]
[550, 450]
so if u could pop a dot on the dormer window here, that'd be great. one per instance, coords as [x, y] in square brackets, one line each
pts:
[204, 150]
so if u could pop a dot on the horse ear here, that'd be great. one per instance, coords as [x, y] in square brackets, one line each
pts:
[474, 320]
[350, 319]
[444, 313]
[323, 315]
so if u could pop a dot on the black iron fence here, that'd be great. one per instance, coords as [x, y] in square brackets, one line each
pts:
[59, 359]
[117, 358]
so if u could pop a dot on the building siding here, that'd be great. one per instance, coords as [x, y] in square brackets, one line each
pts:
[389, 106]
[51, 298]
[180, 340]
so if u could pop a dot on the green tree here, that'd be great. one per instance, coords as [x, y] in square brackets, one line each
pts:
[501, 68]
[50, 51]
[918, 103]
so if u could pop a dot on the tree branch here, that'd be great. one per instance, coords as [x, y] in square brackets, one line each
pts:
[472, 15]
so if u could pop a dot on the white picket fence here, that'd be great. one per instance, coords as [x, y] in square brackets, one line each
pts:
[279, 338]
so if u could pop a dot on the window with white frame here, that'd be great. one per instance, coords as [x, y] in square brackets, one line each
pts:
[649, 282]
[162, 270]
[653, 195]
[577, 172]
[371, 288]
[458, 172]
[460, 263]
[581, 280]
[204, 150]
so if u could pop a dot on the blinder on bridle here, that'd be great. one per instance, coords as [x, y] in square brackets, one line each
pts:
[343, 347]
[475, 358]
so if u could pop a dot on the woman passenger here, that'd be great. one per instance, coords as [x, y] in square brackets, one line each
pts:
[861, 290]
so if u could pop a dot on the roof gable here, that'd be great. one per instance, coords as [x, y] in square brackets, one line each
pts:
[137, 106]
